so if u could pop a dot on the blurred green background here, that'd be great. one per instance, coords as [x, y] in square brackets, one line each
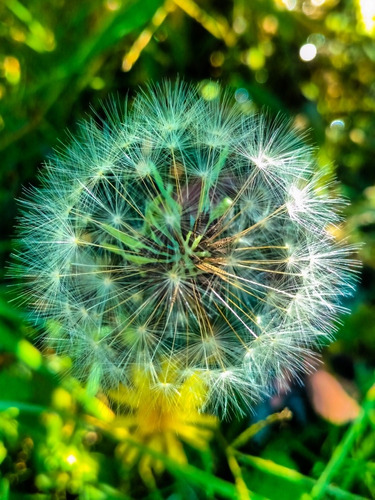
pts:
[312, 60]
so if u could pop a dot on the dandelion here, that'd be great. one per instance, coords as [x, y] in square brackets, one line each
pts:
[161, 418]
[183, 236]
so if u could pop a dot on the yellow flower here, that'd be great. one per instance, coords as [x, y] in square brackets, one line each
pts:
[162, 414]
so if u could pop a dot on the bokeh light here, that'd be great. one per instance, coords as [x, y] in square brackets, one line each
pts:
[308, 52]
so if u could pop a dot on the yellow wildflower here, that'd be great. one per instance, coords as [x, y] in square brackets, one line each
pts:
[161, 415]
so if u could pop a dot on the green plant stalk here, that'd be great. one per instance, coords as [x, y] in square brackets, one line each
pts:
[4, 488]
[243, 492]
[250, 432]
[24, 407]
[292, 476]
[196, 476]
[344, 447]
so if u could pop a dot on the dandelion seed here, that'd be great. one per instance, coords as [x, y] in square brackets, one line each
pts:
[182, 236]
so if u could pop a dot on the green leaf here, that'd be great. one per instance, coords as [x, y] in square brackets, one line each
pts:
[127, 240]
[135, 259]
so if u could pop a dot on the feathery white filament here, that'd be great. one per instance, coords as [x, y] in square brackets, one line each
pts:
[186, 235]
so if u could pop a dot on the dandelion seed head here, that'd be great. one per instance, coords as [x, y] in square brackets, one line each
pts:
[180, 238]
